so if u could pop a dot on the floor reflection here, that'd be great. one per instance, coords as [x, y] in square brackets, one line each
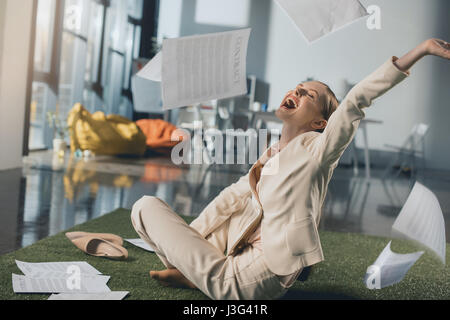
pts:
[52, 194]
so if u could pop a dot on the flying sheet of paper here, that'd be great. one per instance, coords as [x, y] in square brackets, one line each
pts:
[26, 284]
[421, 219]
[316, 18]
[389, 268]
[152, 70]
[205, 67]
[146, 95]
[113, 295]
[141, 244]
[46, 269]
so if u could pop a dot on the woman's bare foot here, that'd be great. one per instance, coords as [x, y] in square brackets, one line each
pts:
[172, 278]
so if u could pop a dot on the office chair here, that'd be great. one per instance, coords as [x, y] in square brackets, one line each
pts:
[413, 146]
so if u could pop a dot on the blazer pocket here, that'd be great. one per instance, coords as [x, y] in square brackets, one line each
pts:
[302, 237]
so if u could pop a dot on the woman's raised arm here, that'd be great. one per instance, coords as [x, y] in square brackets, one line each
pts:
[435, 47]
[344, 122]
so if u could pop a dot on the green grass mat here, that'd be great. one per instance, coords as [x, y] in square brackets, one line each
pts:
[347, 257]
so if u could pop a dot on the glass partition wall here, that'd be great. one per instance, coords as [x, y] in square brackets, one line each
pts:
[83, 53]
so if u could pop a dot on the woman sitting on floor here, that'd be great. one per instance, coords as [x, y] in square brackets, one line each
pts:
[253, 240]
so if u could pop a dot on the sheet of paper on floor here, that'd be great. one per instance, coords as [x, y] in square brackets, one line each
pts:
[113, 295]
[46, 269]
[141, 244]
[201, 68]
[421, 219]
[26, 284]
[392, 267]
[316, 18]
[64, 275]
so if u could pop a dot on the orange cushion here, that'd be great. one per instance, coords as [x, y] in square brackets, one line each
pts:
[158, 133]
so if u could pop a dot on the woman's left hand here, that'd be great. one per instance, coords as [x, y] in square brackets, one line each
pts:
[434, 47]
[437, 47]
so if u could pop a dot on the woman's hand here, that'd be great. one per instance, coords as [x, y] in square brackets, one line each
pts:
[437, 47]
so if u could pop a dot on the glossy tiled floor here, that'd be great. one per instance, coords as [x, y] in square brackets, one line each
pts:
[51, 194]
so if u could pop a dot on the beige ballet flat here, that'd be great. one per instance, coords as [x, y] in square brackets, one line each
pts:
[107, 236]
[99, 247]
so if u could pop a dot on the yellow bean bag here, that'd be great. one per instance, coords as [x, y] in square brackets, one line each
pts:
[104, 134]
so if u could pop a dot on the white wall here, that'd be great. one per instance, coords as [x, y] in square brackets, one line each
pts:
[169, 19]
[2, 22]
[232, 13]
[279, 55]
[15, 24]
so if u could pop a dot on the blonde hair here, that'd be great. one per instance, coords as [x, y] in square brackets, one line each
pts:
[330, 105]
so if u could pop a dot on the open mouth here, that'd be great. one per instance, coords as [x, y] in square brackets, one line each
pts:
[289, 103]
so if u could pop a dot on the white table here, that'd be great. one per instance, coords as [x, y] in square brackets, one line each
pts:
[271, 117]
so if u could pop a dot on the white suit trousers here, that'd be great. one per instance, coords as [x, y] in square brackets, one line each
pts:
[203, 261]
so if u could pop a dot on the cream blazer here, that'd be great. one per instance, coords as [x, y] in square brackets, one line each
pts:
[288, 204]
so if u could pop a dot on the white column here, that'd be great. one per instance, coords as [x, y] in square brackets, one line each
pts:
[15, 35]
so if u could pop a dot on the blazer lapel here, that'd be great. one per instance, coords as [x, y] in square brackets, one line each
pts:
[255, 173]
[254, 176]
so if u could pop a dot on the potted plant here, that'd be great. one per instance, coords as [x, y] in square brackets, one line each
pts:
[59, 132]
